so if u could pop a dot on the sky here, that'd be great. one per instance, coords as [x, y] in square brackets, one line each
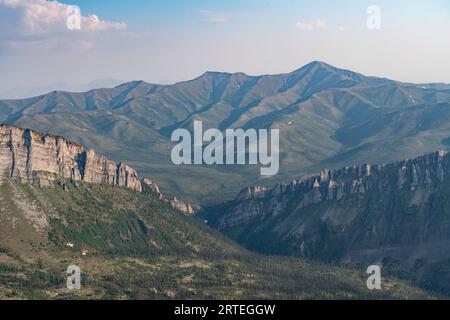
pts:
[175, 40]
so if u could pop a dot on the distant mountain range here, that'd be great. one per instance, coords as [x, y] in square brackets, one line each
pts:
[328, 117]
[56, 195]
[32, 91]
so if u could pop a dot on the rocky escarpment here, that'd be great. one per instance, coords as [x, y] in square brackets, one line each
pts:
[31, 157]
[175, 203]
[396, 213]
[418, 176]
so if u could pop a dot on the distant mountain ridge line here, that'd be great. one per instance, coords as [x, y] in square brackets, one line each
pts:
[136, 83]
[328, 117]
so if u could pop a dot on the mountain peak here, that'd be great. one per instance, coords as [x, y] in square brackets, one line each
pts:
[215, 74]
[318, 63]
[134, 83]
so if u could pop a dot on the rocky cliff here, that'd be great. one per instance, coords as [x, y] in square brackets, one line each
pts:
[419, 177]
[31, 157]
[361, 214]
[175, 203]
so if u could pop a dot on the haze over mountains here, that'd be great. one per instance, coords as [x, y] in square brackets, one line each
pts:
[22, 92]
[328, 117]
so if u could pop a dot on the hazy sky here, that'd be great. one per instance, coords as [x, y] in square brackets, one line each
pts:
[168, 41]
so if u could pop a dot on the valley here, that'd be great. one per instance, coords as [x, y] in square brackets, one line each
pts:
[304, 235]
[140, 248]
[62, 206]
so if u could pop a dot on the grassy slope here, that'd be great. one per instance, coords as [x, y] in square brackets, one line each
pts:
[141, 249]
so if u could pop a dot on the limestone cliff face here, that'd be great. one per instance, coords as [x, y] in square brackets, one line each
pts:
[419, 177]
[398, 213]
[31, 157]
[175, 203]
[182, 206]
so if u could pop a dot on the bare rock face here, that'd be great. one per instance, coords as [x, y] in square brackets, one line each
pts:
[182, 206]
[422, 174]
[31, 157]
[250, 192]
[367, 214]
[175, 203]
[152, 186]
[127, 176]
[39, 159]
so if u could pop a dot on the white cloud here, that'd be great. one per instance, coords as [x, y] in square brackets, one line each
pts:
[24, 22]
[341, 28]
[321, 23]
[311, 25]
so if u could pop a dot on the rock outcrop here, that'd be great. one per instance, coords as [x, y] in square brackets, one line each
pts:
[31, 157]
[396, 214]
[41, 159]
[182, 206]
[175, 203]
[420, 174]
